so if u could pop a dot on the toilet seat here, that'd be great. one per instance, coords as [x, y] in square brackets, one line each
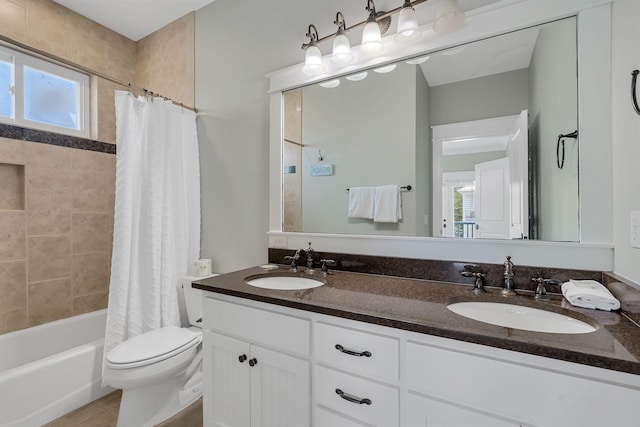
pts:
[152, 347]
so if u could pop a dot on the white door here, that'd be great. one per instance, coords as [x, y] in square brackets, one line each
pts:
[423, 411]
[492, 198]
[280, 389]
[226, 399]
[518, 164]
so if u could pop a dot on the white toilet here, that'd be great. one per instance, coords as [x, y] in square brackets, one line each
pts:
[160, 371]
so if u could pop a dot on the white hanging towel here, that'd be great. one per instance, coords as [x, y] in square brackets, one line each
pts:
[388, 205]
[589, 294]
[361, 202]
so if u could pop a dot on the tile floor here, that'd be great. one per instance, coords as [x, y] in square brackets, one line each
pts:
[104, 413]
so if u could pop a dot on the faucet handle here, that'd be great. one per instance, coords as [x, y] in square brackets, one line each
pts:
[478, 287]
[293, 258]
[541, 290]
[325, 263]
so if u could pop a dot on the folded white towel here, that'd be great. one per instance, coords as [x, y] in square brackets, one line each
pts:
[361, 202]
[388, 205]
[589, 294]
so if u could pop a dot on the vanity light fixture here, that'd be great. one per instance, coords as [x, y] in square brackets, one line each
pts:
[449, 16]
[419, 60]
[313, 58]
[341, 46]
[357, 77]
[371, 35]
[407, 24]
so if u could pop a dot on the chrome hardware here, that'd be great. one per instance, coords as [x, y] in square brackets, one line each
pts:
[309, 251]
[324, 269]
[253, 362]
[353, 352]
[352, 399]
[242, 358]
[478, 287]
[541, 290]
[508, 278]
[293, 259]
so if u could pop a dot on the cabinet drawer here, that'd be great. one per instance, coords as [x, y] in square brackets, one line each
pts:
[327, 418]
[380, 361]
[258, 326]
[384, 400]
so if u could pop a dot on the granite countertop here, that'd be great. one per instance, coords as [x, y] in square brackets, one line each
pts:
[421, 306]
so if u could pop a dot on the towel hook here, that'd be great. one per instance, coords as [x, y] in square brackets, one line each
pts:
[561, 137]
[634, 99]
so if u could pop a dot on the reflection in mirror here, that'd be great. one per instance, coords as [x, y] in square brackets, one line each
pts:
[472, 129]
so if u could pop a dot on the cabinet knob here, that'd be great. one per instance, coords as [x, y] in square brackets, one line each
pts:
[353, 399]
[253, 362]
[242, 358]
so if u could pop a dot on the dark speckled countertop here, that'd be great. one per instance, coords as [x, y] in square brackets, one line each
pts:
[421, 306]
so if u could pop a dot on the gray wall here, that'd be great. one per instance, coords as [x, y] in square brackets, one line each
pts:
[366, 129]
[499, 95]
[553, 111]
[423, 187]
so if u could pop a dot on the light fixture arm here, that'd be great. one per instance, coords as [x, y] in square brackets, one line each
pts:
[341, 23]
[378, 16]
[312, 33]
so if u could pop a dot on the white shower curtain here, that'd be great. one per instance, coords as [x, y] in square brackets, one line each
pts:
[157, 214]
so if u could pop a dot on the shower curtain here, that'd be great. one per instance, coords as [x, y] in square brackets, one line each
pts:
[157, 214]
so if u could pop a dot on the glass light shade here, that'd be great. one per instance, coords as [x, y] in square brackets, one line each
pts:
[419, 60]
[341, 50]
[449, 16]
[330, 83]
[357, 77]
[385, 69]
[371, 38]
[313, 61]
[407, 25]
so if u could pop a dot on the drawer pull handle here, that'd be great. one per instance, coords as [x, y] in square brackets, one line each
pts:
[242, 358]
[352, 399]
[352, 352]
[253, 362]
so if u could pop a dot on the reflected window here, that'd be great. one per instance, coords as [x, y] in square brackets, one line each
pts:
[6, 86]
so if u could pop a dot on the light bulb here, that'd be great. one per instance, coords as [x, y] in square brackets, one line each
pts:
[341, 50]
[313, 61]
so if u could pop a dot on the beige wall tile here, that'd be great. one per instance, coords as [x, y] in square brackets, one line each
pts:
[13, 320]
[49, 301]
[12, 187]
[105, 104]
[13, 228]
[92, 181]
[49, 213]
[91, 274]
[92, 201]
[12, 19]
[13, 286]
[88, 303]
[47, 179]
[49, 258]
[12, 150]
[88, 161]
[46, 156]
[48, 27]
[91, 232]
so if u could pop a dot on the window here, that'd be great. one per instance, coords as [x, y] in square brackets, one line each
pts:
[39, 94]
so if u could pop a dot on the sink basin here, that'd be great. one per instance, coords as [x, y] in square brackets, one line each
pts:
[520, 317]
[284, 282]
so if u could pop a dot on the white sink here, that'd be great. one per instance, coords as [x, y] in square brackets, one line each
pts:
[283, 282]
[520, 317]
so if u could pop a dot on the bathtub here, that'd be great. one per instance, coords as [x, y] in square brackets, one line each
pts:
[51, 369]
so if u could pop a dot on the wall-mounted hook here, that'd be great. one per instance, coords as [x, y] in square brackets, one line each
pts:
[320, 158]
[634, 99]
[561, 137]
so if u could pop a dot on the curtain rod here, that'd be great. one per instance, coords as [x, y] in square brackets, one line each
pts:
[31, 50]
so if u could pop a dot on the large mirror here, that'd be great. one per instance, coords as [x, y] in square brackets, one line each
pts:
[471, 136]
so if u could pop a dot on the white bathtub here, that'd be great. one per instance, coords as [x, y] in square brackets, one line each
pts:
[51, 369]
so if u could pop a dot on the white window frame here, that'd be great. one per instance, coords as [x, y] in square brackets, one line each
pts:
[20, 60]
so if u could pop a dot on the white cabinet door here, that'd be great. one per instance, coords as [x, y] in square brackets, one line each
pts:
[422, 411]
[247, 385]
[280, 389]
[226, 371]
[492, 199]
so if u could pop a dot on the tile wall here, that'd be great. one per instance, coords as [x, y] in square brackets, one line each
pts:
[55, 241]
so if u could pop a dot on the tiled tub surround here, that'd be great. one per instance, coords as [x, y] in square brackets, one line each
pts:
[421, 306]
[55, 253]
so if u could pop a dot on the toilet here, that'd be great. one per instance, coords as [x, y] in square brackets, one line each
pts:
[160, 371]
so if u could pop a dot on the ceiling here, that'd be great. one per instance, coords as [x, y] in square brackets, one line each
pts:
[134, 19]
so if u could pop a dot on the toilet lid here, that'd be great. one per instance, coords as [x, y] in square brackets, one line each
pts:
[153, 346]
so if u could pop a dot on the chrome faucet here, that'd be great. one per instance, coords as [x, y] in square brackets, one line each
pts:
[293, 258]
[478, 287]
[309, 251]
[541, 290]
[325, 265]
[508, 278]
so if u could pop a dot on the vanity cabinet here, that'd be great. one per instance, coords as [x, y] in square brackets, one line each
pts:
[325, 371]
[255, 369]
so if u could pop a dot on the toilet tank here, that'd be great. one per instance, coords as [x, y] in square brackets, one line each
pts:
[193, 299]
